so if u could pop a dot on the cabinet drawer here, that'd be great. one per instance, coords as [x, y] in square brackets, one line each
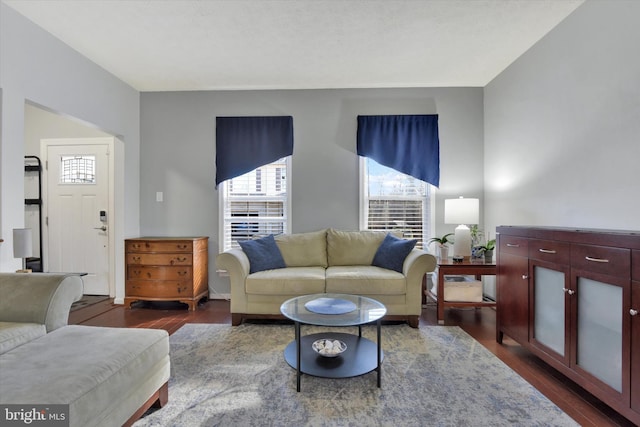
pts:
[159, 259]
[159, 246]
[550, 251]
[602, 259]
[157, 289]
[159, 273]
[514, 245]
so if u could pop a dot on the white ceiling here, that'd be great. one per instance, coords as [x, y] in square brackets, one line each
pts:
[292, 44]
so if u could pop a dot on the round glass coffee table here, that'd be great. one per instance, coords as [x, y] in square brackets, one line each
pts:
[361, 356]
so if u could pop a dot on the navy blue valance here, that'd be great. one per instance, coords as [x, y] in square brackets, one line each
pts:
[406, 143]
[246, 143]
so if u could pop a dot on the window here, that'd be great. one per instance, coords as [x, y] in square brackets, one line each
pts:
[393, 201]
[78, 169]
[255, 204]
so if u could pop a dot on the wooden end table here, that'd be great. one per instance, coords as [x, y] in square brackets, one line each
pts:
[469, 266]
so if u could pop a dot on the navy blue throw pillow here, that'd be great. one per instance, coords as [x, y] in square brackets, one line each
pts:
[263, 254]
[392, 252]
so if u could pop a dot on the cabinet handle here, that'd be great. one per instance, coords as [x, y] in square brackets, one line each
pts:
[569, 291]
[633, 312]
[547, 251]
[588, 258]
[512, 245]
[525, 277]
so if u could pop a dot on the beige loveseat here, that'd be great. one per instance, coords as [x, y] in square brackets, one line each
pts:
[107, 376]
[326, 261]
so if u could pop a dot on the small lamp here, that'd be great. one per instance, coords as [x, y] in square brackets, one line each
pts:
[22, 247]
[462, 211]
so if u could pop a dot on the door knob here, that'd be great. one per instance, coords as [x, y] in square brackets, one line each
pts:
[103, 228]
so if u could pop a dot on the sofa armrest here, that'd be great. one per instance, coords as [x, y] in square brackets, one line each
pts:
[236, 263]
[38, 298]
[416, 265]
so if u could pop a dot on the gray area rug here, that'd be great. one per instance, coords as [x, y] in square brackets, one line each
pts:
[431, 376]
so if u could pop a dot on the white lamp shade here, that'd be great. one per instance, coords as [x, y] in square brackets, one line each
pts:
[461, 211]
[22, 243]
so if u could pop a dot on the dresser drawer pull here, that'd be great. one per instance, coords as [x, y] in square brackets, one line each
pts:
[588, 258]
[547, 251]
[512, 245]
[182, 246]
[136, 258]
[182, 273]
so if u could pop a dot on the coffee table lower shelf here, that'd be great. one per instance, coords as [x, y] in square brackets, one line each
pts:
[361, 357]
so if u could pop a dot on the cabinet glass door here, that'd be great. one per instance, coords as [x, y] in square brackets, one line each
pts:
[549, 308]
[599, 334]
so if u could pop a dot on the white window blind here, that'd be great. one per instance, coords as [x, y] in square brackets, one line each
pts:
[255, 204]
[393, 201]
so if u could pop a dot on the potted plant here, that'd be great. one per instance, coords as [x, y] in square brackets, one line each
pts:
[443, 249]
[487, 249]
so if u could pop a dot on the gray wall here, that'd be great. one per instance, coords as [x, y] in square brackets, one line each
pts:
[35, 67]
[178, 153]
[41, 124]
[562, 126]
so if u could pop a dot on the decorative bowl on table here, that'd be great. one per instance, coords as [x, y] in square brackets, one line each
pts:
[328, 347]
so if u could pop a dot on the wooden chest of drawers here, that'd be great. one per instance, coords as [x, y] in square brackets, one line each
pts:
[167, 269]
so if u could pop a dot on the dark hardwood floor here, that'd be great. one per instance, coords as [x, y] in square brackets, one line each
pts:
[479, 323]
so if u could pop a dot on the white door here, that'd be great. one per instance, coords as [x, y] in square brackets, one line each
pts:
[77, 212]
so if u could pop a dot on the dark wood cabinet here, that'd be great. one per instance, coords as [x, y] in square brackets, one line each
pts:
[512, 292]
[634, 313]
[581, 305]
[550, 292]
[167, 269]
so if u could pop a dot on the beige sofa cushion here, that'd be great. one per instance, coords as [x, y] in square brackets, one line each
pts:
[38, 298]
[303, 249]
[365, 280]
[97, 371]
[14, 334]
[352, 247]
[287, 281]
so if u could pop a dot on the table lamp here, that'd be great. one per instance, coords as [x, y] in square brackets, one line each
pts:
[22, 247]
[462, 211]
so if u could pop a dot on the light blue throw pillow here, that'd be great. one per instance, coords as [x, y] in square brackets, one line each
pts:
[263, 254]
[392, 252]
